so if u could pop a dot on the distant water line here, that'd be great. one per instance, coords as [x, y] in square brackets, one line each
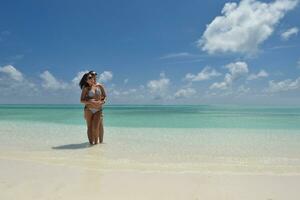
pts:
[174, 116]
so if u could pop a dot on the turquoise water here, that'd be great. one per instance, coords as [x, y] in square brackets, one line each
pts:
[201, 116]
[204, 138]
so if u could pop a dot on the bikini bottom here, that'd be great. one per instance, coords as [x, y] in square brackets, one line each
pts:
[94, 110]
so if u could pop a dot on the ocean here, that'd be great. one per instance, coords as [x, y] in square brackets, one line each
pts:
[181, 138]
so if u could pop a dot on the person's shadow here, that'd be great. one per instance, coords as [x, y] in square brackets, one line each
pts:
[73, 146]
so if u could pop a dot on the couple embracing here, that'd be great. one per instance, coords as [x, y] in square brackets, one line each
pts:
[93, 96]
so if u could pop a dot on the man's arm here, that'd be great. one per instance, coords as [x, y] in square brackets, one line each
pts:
[103, 93]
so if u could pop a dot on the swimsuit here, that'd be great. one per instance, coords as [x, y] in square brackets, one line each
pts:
[94, 110]
[92, 94]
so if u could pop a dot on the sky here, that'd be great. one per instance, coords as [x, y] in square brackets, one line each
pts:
[151, 52]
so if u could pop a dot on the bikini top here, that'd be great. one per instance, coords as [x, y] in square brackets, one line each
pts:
[92, 93]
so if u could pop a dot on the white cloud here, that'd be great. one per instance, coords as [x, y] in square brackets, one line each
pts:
[105, 76]
[14, 84]
[222, 85]
[12, 72]
[116, 92]
[244, 26]
[205, 74]
[236, 70]
[284, 85]
[288, 33]
[185, 92]
[160, 85]
[260, 74]
[176, 55]
[77, 78]
[50, 82]
[126, 81]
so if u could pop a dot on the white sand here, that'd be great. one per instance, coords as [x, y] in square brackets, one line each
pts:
[51, 164]
[24, 180]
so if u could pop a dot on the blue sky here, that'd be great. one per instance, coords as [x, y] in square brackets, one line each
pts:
[152, 52]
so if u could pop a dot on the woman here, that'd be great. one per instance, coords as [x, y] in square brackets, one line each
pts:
[93, 96]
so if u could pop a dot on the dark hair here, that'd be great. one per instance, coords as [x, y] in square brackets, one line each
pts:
[83, 81]
[93, 72]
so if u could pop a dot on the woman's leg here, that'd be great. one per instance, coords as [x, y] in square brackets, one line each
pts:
[88, 115]
[101, 129]
[96, 127]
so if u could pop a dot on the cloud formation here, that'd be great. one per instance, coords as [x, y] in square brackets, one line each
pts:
[160, 85]
[185, 92]
[176, 55]
[260, 74]
[50, 82]
[77, 78]
[206, 74]
[284, 85]
[236, 70]
[12, 72]
[105, 76]
[123, 92]
[14, 84]
[243, 26]
[290, 32]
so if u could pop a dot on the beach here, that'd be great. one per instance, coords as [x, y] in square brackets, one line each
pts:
[150, 100]
[39, 181]
[45, 157]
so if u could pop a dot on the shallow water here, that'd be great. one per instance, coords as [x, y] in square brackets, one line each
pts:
[163, 138]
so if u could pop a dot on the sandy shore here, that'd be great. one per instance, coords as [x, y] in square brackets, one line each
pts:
[32, 180]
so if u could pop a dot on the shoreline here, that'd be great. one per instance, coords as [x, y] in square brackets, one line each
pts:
[204, 150]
